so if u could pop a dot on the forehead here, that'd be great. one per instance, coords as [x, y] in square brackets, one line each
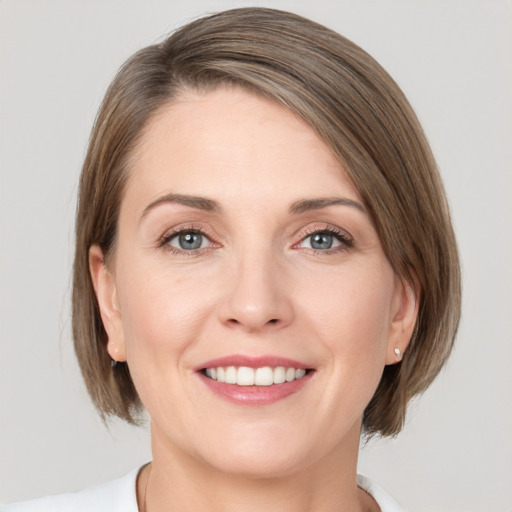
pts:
[231, 142]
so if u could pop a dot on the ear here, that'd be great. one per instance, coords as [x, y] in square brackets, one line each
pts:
[106, 294]
[404, 314]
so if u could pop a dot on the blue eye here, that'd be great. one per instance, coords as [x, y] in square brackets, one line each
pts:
[326, 240]
[188, 241]
[322, 241]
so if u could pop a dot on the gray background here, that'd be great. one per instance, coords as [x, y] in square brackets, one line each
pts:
[454, 61]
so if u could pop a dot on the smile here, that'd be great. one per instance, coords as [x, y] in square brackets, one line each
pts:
[246, 376]
[255, 380]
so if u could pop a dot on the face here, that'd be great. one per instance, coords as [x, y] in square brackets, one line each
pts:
[245, 255]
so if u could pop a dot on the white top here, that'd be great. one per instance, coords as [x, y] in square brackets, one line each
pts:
[120, 496]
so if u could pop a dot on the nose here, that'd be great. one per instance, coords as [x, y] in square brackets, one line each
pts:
[257, 298]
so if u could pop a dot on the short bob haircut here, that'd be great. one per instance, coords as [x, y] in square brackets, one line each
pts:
[360, 113]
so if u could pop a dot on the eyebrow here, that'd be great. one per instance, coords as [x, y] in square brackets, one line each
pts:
[304, 205]
[209, 205]
[200, 203]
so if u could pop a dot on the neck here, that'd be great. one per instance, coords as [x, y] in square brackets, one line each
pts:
[181, 482]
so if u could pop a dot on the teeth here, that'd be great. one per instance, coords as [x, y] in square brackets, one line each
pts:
[279, 375]
[290, 374]
[230, 375]
[300, 373]
[264, 376]
[245, 376]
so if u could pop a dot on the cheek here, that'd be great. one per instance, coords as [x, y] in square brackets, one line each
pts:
[352, 317]
[161, 311]
[163, 316]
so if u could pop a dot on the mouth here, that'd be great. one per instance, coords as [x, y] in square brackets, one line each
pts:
[255, 381]
[247, 376]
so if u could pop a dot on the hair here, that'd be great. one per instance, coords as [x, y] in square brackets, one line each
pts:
[353, 105]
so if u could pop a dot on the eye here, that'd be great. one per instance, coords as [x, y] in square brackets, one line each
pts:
[322, 241]
[326, 240]
[187, 240]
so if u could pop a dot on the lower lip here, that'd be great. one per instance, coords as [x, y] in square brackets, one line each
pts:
[256, 395]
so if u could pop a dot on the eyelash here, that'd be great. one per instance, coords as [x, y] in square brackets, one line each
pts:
[346, 240]
[164, 241]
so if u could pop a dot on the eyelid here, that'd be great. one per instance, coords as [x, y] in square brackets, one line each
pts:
[169, 234]
[346, 239]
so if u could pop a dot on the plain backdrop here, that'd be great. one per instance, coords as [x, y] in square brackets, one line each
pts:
[454, 61]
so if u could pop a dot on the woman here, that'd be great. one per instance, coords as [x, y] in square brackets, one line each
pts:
[264, 262]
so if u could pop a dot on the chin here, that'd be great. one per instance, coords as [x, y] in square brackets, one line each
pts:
[262, 456]
[254, 466]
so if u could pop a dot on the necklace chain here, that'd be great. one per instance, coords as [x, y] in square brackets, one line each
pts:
[144, 509]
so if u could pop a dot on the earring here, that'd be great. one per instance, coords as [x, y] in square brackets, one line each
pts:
[398, 354]
[113, 363]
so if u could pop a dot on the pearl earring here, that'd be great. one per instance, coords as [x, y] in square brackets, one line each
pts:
[398, 353]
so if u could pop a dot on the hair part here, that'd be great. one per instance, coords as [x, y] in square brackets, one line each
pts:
[353, 105]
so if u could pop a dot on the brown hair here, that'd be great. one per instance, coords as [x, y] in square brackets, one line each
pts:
[354, 106]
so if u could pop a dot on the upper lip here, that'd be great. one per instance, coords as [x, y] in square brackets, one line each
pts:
[252, 362]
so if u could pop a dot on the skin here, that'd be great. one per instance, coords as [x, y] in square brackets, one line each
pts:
[255, 287]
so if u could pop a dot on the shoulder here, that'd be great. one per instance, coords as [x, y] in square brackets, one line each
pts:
[383, 499]
[115, 496]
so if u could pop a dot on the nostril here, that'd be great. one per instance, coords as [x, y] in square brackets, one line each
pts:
[234, 321]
